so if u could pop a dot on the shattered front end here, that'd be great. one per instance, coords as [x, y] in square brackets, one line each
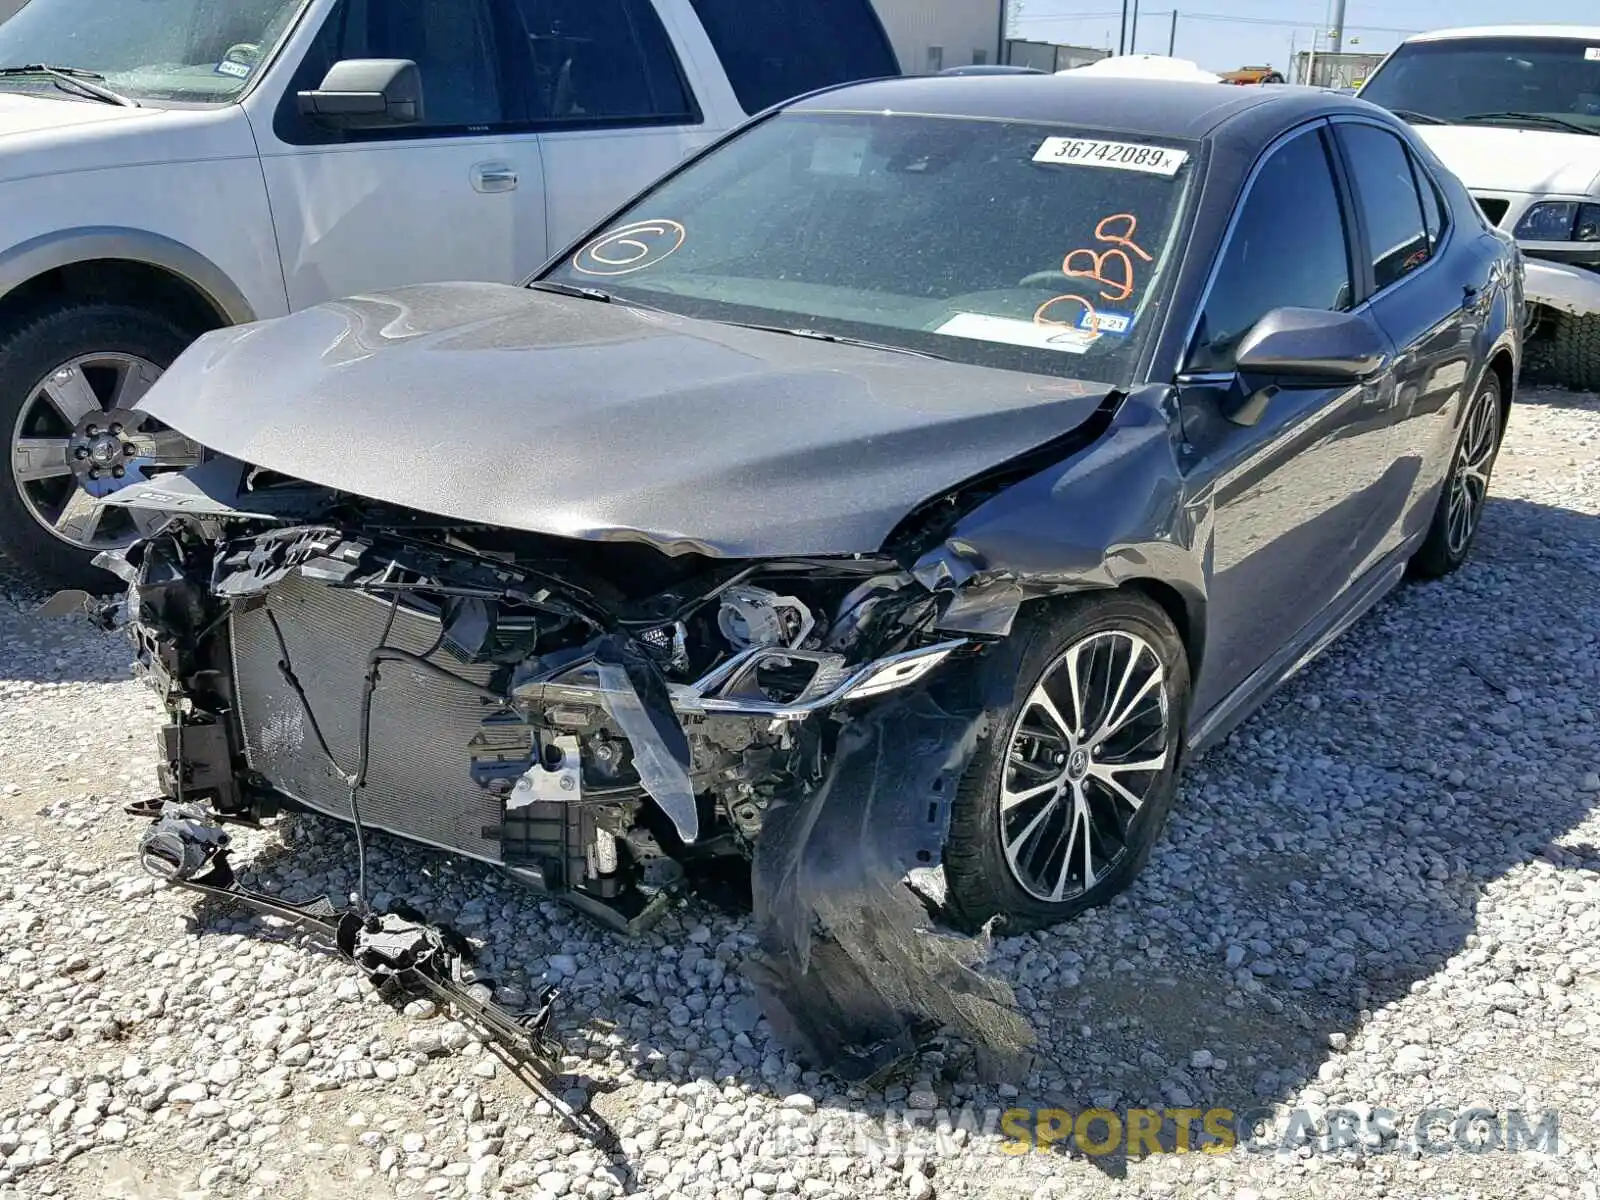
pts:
[597, 718]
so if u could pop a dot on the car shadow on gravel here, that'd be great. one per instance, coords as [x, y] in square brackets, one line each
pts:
[1327, 860]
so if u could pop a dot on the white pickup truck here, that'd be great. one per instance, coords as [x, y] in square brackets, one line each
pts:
[1514, 111]
[171, 166]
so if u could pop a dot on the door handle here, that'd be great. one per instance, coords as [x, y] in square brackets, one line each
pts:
[494, 177]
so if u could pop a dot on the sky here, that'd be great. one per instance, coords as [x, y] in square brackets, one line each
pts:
[1224, 34]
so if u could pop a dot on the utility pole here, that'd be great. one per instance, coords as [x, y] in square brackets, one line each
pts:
[1172, 35]
[1336, 32]
[1011, 17]
[1133, 32]
[1122, 30]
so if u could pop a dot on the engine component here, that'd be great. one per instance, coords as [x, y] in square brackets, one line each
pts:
[756, 617]
[182, 844]
[557, 779]
[669, 645]
[603, 854]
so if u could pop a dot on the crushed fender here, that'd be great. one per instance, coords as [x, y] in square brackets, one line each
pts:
[852, 971]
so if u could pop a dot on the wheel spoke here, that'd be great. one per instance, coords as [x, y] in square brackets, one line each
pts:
[69, 392]
[147, 521]
[1116, 721]
[35, 459]
[1116, 768]
[1076, 688]
[1079, 820]
[133, 383]
[1010, 799]
[80, 517]
[1108, 780]
[165, 448]
[1114, 700]
[1041, 699]
[1014, 847]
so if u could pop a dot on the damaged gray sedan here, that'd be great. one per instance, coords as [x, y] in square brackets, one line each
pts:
[910, 481]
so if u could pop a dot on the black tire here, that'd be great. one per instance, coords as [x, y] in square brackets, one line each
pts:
[45, 341]
[981, 883]
[1575, 351]
[1477, 446]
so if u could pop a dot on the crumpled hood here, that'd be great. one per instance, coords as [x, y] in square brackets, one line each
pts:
[1534, 161]
[530, 411]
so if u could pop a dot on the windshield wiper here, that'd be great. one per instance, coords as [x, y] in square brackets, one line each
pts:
[85, 83]
[818, 335]
[1537, 119]
[571, 289]
[1412, 117]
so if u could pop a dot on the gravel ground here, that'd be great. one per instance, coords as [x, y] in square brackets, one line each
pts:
[1383, 891]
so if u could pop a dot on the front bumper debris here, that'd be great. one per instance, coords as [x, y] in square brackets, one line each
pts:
[186, 847]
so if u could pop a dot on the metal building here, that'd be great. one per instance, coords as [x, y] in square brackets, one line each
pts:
[930, 35]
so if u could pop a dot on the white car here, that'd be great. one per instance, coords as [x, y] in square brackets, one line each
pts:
[172, 166]
[1514, 111]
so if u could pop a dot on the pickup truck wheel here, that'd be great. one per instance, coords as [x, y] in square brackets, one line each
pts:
[1576, 351]
[68, 378]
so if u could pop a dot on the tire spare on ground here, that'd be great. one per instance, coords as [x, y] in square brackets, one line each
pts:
[61, 369]
[1575, 351]
[1071, 785]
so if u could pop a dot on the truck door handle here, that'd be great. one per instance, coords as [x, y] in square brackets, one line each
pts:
[494, 177]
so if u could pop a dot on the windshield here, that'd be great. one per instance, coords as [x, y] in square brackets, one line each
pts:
[1023, 246]
[200, 51]
[1490, 79]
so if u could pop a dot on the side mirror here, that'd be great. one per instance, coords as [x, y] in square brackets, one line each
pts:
[1308, 346]
[367, 93]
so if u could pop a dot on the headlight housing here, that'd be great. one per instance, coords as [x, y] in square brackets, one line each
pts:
[1560, 221]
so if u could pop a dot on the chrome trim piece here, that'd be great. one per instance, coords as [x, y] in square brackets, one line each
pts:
[708, 696]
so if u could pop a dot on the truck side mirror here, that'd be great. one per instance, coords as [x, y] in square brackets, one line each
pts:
[366, 93]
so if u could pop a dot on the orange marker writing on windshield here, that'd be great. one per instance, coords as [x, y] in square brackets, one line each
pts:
[1092, 265]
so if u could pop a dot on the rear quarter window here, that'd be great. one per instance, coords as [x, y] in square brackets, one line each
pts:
[779, 49]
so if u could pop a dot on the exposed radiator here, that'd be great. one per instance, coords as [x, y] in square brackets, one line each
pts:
[418, 780]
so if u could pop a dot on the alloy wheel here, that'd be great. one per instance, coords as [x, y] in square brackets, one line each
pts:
[1469, 482]
[77, 440]
[1092, 741]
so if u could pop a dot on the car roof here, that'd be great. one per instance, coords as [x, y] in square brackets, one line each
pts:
[1153, 107]
[1590, 33]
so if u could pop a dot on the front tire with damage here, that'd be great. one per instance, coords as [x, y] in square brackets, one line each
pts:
[1071, 787]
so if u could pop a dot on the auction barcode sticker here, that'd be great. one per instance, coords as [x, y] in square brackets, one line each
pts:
[1120, 156]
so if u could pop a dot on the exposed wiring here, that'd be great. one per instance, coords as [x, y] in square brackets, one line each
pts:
[286, 669]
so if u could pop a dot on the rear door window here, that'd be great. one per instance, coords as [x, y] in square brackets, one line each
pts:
[776, 50]
[1391, 207]
[597, 62]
